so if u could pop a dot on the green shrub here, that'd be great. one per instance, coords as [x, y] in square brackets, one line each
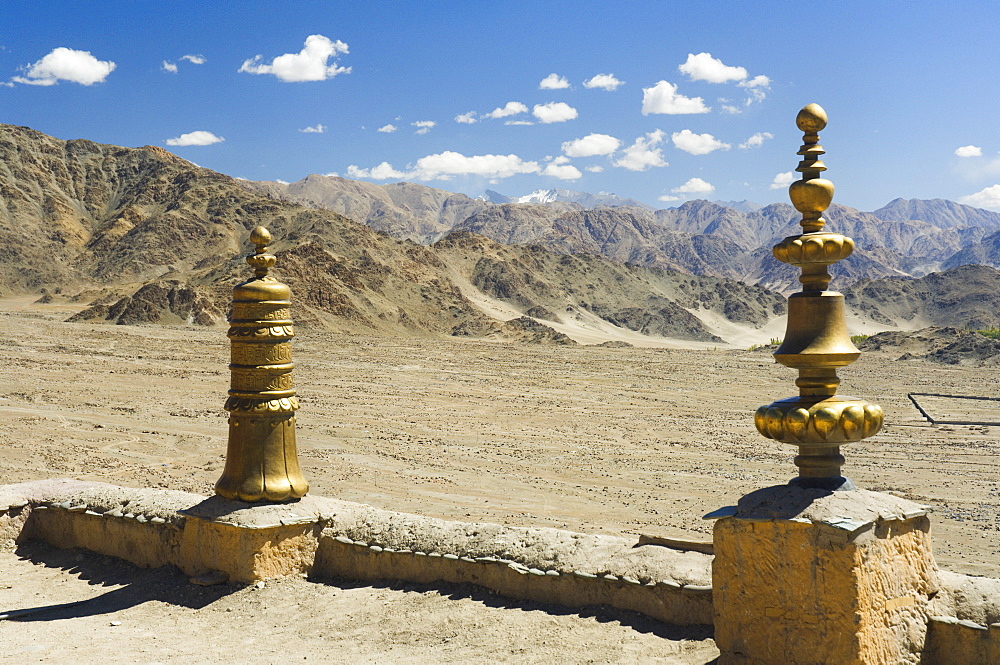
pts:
[774, 342]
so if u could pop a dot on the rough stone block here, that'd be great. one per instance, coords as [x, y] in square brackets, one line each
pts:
[809, 576]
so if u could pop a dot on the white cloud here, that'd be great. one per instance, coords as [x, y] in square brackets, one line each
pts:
[703, 67]
[694, 186]
[643, 154]
[591, 145]
[554, 112]
[756, 141]
[731, 110]
[759, 81]
[511, 108]
[387, 129]
[553, 82]
[783, 180]
[280, 181]
[466, 118]
[309, 64]
[445, 165]
[756, 88]
[755, 93]
[668, 197]
[519, 122]
[383, 171]
[697, 144]
[663, 98]
[562, 171]
[985, 198]
[423, 126]
[199, 137]
[171, 67]
[315, 129]
[594, 168]
[604, 82]
[969, 151]
[65, 64]
[561, 159]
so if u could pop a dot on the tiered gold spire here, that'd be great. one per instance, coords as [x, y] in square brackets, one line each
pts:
[261, 460]
[816, 339]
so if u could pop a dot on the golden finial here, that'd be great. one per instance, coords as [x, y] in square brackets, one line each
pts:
[260, 260]
[813, 194]
[816, 338]
[261, 460]
[260, 237]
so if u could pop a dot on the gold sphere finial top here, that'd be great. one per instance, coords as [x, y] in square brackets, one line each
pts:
[260, 237]
[811, 119]
[260, 260]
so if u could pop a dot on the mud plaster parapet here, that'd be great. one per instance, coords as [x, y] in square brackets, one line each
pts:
[327, 538]
[360, 542]
[951, 640]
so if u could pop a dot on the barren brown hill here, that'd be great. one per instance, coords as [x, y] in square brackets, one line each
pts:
[80, 216]
[565, 288]
[963, 297]
[946, 346]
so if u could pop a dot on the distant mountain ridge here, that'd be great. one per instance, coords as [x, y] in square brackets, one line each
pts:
[403, 210]
[583, 199]
[723, 239]
[740, 206]
[942, 213]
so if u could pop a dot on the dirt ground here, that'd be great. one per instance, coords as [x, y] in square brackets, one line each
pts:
[599, 440]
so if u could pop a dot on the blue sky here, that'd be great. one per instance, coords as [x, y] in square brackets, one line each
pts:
[658, 101]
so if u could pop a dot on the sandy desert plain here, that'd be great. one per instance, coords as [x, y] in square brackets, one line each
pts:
[594, 439]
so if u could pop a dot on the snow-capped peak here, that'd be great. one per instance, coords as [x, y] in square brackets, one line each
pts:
[539, 196]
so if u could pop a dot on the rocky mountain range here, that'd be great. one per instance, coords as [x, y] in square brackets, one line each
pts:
[904, 238]
[141, 235]
[144, 236]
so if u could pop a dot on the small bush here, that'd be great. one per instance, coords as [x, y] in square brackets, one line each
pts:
[774, 342]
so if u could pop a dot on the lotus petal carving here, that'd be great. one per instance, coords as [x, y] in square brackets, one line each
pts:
[830, 421]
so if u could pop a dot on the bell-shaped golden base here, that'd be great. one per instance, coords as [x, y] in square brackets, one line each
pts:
[261, 460]
[816, 334]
